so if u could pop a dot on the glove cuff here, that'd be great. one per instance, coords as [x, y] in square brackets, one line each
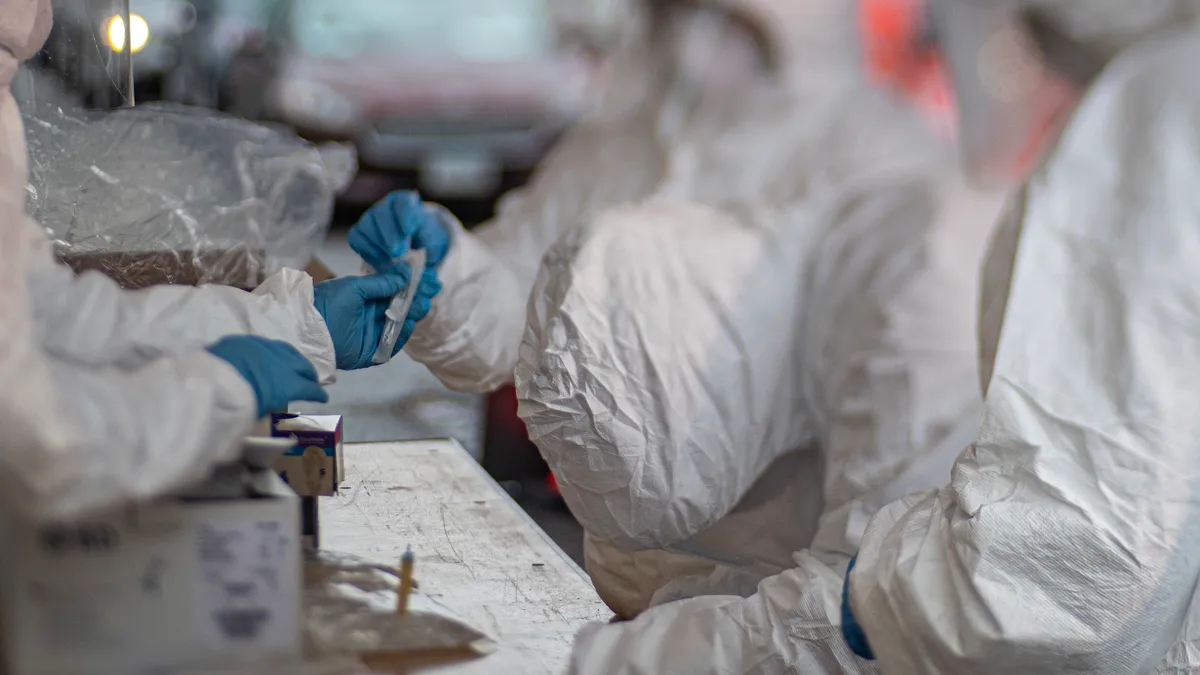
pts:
[852, 633]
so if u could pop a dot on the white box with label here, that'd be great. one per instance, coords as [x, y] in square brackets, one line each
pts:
[158, 588]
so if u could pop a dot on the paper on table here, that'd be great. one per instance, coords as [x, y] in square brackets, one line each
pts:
[351, 609]
[243, 585]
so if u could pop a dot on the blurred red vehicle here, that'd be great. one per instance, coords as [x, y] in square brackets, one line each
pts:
[459, 92]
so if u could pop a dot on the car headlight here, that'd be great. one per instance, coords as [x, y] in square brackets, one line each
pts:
[316, 105]
[139, 33]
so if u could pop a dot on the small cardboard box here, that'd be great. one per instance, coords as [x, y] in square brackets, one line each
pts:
[315, 466]
[172, 585]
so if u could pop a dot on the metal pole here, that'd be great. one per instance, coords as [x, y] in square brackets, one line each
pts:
[127, 54]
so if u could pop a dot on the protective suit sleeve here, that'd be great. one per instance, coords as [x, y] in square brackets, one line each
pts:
[471, 336]
[79, 439]
[654, 376]
[468, 340]
[676, 302]
[91, 321]
[1065, 541]
[892, 346]
[790, 625]
[895, 367]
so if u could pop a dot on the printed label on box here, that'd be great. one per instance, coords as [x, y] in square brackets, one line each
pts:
[245, 584]
[311, 473]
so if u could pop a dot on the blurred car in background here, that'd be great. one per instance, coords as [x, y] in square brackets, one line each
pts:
[456, 92]
[88, 37]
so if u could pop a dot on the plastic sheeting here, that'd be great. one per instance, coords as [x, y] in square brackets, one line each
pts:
[166, 194]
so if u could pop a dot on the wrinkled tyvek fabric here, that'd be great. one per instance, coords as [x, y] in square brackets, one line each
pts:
[1097, 430]
[106, 395]
[1065, 541]
[901, 393]
[793, 293]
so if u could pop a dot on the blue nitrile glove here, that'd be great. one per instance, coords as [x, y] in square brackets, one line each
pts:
[276, 372]
[354, 307]
[852, 633]
[389, 228]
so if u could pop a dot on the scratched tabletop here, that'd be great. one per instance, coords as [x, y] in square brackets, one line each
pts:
[477, 552]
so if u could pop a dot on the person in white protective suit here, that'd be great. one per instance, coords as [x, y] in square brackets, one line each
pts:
[731, 374]
[109, 395]
[1066, 539]
[756, 312]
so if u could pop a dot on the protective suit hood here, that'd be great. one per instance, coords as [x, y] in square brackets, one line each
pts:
[796, 38]
[1110, 26]
[1018, 68]
[776, 27]
[753, 17]
[599, 25]
[24, 26]
[603, 22]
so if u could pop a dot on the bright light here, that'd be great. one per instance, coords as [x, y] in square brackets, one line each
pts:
[116, 33]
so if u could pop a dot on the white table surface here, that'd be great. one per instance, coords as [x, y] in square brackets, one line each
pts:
[477, 552]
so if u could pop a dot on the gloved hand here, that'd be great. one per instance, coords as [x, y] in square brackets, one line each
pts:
[276, 372]
[354, 307]
[389, 228]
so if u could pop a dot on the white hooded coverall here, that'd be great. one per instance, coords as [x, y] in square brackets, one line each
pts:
[1066, 540]
[105, 394]
[753, 326]
[687, 224]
